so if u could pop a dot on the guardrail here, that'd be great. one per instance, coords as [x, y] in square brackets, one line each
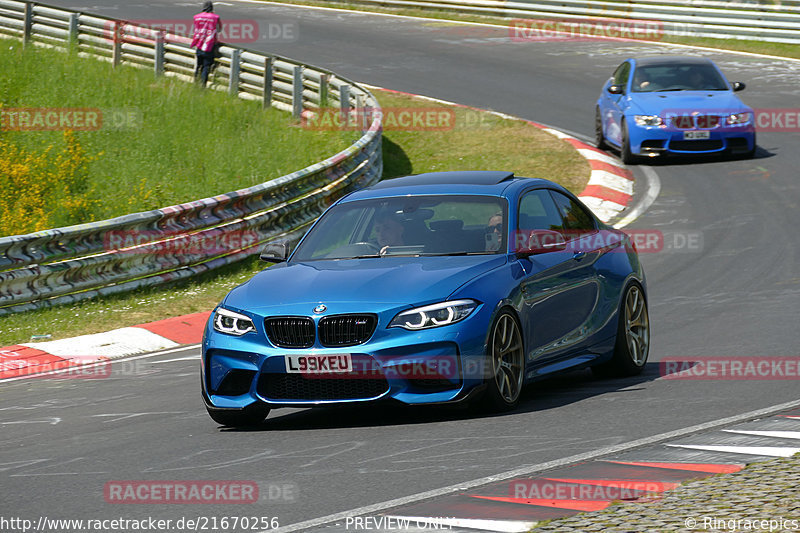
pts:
[762, 21]
[70, 264]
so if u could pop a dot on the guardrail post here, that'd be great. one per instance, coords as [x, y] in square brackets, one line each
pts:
[361, 112]
[233, 80]
[159, 54]
[344, 100]
[266, 97]
[27, 23]
[72, 36]
[116, 53]
[297, 92]
[323, 90]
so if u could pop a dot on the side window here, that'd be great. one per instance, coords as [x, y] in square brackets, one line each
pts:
[576, 219]
[537, 211]
[622, 73]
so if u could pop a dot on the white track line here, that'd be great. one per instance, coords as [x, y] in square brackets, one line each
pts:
[774, 434]
[501, 526]
[190, 358]
[92, 365]
[769, 451]
[653, 184]
[527, 470]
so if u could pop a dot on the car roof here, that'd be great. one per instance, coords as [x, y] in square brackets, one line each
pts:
[478, 182]
[470, 177]
[665, 60]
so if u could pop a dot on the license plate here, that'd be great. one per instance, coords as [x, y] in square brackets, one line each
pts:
[319, 363]
[695, 135]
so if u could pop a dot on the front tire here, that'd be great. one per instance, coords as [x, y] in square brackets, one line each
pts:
[632, 347]
[251, 415]
[599, 138]
[625, 147]
[506, 353]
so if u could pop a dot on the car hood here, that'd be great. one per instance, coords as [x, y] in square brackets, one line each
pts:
[686, 101]
[384, 280]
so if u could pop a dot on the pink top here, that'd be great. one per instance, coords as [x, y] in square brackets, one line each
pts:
[206, 30]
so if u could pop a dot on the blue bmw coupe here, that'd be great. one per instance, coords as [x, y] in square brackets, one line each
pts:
[672, 105]
[433, 288]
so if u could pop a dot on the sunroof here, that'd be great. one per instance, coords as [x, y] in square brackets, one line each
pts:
[472, 177]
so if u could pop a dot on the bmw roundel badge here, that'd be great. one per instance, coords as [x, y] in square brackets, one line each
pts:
[321, 308]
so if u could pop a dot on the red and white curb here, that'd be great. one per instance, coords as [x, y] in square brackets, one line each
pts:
[519, 503]
[610, 186]
[33, 358]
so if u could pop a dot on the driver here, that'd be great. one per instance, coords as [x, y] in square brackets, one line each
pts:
[494, 232]
[697, 80]
[388, 230]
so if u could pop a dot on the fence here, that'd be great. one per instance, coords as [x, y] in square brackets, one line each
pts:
[777, 21]
[69, 264]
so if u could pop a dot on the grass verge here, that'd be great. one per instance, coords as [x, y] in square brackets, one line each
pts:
[741, 45]
[477, 140]
[157, 142]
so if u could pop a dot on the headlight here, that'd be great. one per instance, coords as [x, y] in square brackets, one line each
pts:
[648, 120]
[435, 315]
[232, 323]
[739, 118]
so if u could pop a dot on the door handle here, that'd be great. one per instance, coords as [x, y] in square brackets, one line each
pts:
[577, 256]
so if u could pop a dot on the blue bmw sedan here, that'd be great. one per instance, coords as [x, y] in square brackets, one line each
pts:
[672, 105]
[433, 288]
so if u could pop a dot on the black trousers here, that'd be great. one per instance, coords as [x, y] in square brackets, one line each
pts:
[205, 60]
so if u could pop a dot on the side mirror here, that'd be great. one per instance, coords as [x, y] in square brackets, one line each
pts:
[738, 86]
[616, 89]
[275, 252]
[539, 241]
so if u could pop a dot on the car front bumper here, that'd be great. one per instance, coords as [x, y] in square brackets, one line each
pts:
[654, 140]
[437, 365]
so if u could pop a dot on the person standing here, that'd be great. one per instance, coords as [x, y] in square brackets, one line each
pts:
[207, 27]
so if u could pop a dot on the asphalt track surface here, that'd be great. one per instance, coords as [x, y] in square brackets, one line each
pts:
[737, 295]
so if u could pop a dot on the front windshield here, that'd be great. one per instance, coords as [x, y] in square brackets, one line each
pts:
[408, 225]
[677, 77]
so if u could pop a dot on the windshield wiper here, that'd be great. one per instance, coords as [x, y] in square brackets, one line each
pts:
[453, 253]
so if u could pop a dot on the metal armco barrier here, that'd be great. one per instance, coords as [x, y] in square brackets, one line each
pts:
[69, 264]
[762, 20]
